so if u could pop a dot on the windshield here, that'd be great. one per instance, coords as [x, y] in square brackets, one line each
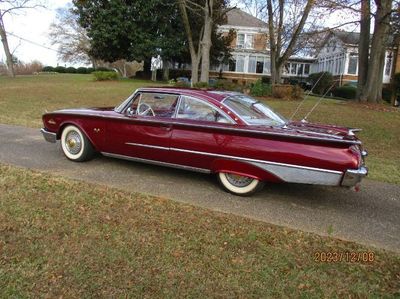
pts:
[253, 112]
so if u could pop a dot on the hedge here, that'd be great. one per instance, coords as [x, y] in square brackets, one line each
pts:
[345, 92]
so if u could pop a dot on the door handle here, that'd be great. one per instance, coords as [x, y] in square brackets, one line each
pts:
[166, 127]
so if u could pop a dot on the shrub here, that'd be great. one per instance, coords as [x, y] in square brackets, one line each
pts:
[90, 70]
[105, 76]
[345, 92]
[103, 69]
[325, 81]
[201, 85]
[227, 85]
[260, 89]
[48, 69]
[173, 74]
[387, 93]
[70, 70]
[266, 80]
[182, 84]
[297, 92]
[288, 92]
[81, 70]
[60, 69]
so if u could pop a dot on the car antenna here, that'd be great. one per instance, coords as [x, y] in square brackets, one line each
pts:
[317, 103]
[306, 96]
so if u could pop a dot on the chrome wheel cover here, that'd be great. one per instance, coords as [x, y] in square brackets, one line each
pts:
[238, 180]
[73, 142]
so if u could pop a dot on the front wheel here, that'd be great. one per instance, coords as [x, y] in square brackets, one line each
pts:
[239, 185]
[75, 145]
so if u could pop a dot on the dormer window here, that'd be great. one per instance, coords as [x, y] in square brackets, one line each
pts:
[245, 41]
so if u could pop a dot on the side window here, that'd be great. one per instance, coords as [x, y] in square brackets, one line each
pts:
[154, 104]
[191, 108]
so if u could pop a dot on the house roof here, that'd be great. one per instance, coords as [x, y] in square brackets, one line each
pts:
[237, 17]
[353, 38]
[349, 38]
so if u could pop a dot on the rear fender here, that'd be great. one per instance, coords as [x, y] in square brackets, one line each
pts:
[244, 169]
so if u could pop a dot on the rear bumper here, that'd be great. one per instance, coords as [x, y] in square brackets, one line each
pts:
[354, 176]
[49, 136]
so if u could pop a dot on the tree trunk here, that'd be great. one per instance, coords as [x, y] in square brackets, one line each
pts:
[165, 70]
[195, 69]
[363, 46]
[206, 45]
[3, 35]
[370, 91]
[194, 56]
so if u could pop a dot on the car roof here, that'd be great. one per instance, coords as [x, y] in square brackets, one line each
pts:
[216, 95]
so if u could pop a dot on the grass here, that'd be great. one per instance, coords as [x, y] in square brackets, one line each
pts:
[62, 238]
[24, 99]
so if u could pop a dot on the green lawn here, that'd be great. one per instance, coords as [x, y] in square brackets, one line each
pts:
[24, 99]
[62, 238]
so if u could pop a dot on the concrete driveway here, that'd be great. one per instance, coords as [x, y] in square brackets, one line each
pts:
[371, 216]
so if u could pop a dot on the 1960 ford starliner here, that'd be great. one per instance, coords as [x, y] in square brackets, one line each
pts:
[229, 134]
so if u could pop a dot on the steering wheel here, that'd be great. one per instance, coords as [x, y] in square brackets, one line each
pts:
[147, 109]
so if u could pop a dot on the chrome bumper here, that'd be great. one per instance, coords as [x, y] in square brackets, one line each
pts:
[49, 136]
[353, 176]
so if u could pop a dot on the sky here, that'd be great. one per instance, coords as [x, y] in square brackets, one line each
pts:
[33, 25]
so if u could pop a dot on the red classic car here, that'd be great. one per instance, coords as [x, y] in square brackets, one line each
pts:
[230, 134]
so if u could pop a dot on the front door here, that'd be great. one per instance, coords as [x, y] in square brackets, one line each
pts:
[144, 129]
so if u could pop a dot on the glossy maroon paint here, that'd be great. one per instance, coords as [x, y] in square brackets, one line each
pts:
[297, 143]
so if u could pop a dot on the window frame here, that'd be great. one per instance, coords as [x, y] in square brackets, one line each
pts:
[229, 118]
[134, 96]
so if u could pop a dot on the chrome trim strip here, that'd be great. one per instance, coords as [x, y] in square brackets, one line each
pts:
[223, 128]
[49, 136]
[154, 162]
[147, 145]
[240, 158]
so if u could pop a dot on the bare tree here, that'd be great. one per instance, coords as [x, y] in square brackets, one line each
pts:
[210, 12]
[72, 40]
[12, 7]
[286, 22]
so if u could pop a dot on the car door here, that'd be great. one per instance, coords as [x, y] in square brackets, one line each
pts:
[196, 134]
[144, 129]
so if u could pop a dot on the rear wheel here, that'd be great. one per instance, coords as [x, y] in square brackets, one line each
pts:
[238, 184]
[75, 145]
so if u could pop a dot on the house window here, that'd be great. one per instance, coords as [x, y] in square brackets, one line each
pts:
[293, 70]
[249, 41]
[260, 65]
[388, 64]
[353, 61]
[240, 40]
[286, 70]
[232, 65]
[240, 64]
[267, 66]
[306, 69]
[300, 69]
[252, 64]
[245, 41]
